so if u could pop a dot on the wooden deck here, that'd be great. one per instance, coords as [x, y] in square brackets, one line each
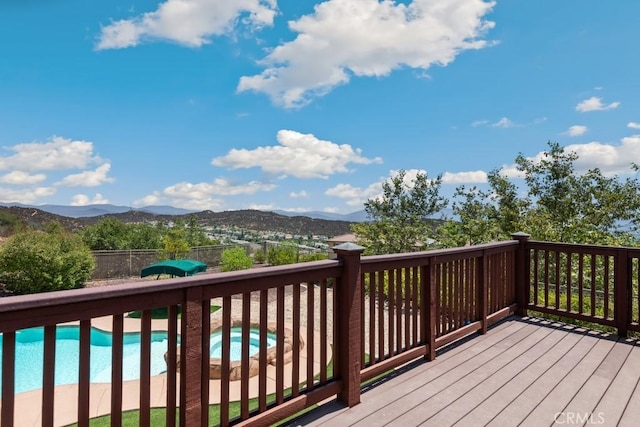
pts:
[527, 372]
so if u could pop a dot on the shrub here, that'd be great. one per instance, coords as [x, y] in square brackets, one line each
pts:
[313, 257]
[260, 257]
[33, 261]
[280, 255]
[235, 259]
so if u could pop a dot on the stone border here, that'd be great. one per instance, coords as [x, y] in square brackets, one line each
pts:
[235, 367]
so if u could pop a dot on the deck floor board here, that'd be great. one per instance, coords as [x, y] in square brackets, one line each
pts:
[522, 372]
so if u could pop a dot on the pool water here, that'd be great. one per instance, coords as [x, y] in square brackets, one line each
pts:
[30, 353]
[215, 345]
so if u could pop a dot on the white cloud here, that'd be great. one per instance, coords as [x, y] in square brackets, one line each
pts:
[92, 178]
[202, 196]
[301, 194]
[261, 207]
[610, 159]
[57, 154]
[9, 195]
[503, 123]
[595, 104]
[471, 177]
[576, 130]
[84, 200]
[22, 178]
[633, 125]
[219, 187]
[367, 38]
[188, 22]
[299, 155]
[477, 123]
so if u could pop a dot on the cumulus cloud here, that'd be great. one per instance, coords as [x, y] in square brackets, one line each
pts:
[595, 104]
[57, 154]
[301, 194]
[25, 196]
[91, 178]
[188, 22]
[367, 38]
[576, 130]
[609, 158]
[471, 177]
[22, 178]
[204, 195]
[503, 123]
[84, 200]
[633, 125]
[299, 155]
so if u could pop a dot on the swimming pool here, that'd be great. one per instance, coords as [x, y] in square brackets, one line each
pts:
[30, 353]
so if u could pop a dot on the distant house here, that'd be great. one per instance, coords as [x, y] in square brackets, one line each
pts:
[337, 240]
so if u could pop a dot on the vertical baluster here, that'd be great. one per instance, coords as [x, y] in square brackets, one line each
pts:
[372, 317]
[280, 345]
[546, 278]
[8, 378]
[295, 351]
[580, 282]
[381, 321]
[323, 331]
[605, 281]
[262, 366]
[226, 361]
[116, 369]
[391, 313]
[172, 351]
[569, 281]
[83, 370]
[48, 380]
[244, 360]
[145, 368]
[310, 334]
[593, 285]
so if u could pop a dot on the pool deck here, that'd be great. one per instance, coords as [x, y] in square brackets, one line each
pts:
[28, 410]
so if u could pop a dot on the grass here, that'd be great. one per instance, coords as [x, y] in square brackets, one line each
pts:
[163, 312]
[158, 415]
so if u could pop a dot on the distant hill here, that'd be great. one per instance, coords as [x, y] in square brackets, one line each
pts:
[359, 216]
[97, 210]
[246, 219]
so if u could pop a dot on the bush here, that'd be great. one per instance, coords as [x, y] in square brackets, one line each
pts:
[235, 259]
[280, 255]
[260, 257]
[33, 261]
[318, 256]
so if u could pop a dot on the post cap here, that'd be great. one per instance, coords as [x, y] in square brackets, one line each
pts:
[520, 235]
[349, 247]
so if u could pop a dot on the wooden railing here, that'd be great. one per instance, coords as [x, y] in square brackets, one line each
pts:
[595, 284]
[459, 292]
[338, 322]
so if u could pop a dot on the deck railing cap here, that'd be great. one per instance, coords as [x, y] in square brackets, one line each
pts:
[349, 247]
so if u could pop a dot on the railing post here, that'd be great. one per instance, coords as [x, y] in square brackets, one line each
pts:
[191, 359]
[522, 273]
[622, 284]
[349, 327]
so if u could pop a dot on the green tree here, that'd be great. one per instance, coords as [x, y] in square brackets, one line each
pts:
[235, 259]
[174, 244]
[34, 261]
[556, 203]
[282, 254]
[401, 219]
[107, 234]
[195, 234]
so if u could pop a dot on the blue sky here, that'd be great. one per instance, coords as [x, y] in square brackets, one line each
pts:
[300, 105]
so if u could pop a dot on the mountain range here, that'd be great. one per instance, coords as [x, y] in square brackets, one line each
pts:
[106, 209]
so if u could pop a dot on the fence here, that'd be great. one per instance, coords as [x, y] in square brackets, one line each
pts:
[128, 263]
